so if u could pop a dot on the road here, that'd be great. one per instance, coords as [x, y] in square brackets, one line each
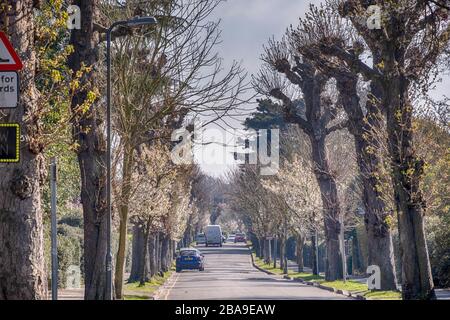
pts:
[229, 274]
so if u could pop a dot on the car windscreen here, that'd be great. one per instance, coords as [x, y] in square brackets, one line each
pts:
[188, 253]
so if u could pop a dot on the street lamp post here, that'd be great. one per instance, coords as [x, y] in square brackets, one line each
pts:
[136, 22]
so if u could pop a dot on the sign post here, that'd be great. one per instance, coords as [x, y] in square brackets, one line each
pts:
[53, 181]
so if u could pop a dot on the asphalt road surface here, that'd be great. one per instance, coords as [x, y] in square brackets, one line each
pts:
[229, 274]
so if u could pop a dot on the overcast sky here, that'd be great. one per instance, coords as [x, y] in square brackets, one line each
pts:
[246, 26]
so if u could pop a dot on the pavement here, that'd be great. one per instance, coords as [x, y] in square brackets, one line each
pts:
[441, 294]
[229, 274]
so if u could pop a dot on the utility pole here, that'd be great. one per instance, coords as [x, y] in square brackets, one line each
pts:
[53, 178]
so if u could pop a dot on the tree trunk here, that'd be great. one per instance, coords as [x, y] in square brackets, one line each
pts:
[137, 249]
[22, 266]
[331, 209]
[282, 252]
[158, 252]
[123, 226]
[144, 267]
[165, 251]
[417, 282]
[315, 258]
[357, 265]
[88, 132]
[267, 252]
[299, 252]
[152, 255]
[261, 248]
[380, 247]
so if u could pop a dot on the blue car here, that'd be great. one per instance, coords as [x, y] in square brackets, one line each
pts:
[189, 259]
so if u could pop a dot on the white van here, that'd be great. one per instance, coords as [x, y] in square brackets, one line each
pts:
[213, 235]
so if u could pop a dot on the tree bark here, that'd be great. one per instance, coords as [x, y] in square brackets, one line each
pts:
[144, 267]
[331, 208]
[152, 255]
[22, 267]
[376, 216]
[315, 258]
[88, 132]
[158, 252]
[137, 248]
[261, 247]
[357, 265]
[123, 226]
[417, 281]
[267, 252]
[165, 252]
[299, 252]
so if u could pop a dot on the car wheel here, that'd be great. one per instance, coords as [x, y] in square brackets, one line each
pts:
[178, 270]
[201, 269]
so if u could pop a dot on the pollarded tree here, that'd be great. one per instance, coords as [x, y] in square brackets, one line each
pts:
[316, 115]
[321, 29]
[407, 47]
[88, 134]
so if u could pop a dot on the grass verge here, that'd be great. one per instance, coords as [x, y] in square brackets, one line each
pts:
[134, 291]
[349, 285]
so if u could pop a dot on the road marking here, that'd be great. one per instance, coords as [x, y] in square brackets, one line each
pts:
[171, 287]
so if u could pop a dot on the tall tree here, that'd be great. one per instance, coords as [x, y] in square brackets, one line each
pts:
[167, 72]
[88, 133]
[22, 269]
[321, 29]
[314, 115]
[412, 37]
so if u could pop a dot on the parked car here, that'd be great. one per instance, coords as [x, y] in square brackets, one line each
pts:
[200, 239]
[213, 235]
[240, 237]
[190, 259]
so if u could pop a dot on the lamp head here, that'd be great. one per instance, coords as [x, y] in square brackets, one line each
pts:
[141, 21]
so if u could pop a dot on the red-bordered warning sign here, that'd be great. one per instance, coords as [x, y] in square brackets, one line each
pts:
[9, 60]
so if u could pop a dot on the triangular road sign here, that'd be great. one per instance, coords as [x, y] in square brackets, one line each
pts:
[9, 60]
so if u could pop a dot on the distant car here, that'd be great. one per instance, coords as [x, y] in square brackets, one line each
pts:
[231, 238]
[189, 259]
[200, 239]
[240, 237]
[213, 235]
